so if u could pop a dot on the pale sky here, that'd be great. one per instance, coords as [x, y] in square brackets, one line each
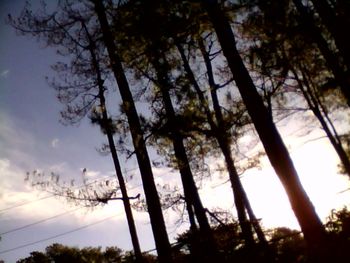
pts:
[32, 138]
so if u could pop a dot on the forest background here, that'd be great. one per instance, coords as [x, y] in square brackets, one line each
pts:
[32, 139]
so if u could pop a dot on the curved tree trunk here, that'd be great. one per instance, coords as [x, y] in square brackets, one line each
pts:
[224, 144]
[276, 151]
[317, 108]
[336, 26]
[126, 202]
[331, 60]
[154, 34]
[152, 198]
[236, 186]
[209, 252]
[109, 134]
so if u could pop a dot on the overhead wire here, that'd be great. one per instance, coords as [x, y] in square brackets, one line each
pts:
[49, 218]
[40, 221]
[52, 195]
[58, 215]
[59, 235]
[25, 203]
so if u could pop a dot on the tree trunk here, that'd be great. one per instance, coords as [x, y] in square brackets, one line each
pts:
[209, 252]
[223, 141]
[126, 202]
[335, 26]
[154, 34]
[248, 235]
[317, 108]
[331, 60]
[224, 146]
[109, 134]
[152, 198]
[275, 149]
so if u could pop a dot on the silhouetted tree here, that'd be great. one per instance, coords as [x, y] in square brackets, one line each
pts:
[69, 30]
[152, 199]
[338, 228]
[335, 24]
[146, 31]
[268, 133]
[290, 62]
[331, 59]
[60, 253]
[289, 245]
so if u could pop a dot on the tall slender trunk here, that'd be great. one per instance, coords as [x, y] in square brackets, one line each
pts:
[152, 198]
[195, 249]
[209, 252]
[154, 33]
[228, 158]
[275, 149]
[318, 109]
[223, 139]
[336, 26]
[126, 202]
[109, 134]
[331, 60]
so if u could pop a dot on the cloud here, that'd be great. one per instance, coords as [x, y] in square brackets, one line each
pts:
[14, 191]
[54, 142]
[4, 73]
[90, 173]
[59, 167]
[11, 134]
[16, 143]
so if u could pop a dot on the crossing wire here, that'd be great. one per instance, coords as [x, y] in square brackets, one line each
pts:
[62, 234]
[49, 196]
[40, 221]
[53, 217]
[59, 235]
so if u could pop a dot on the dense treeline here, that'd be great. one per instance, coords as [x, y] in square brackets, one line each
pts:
[210, 72]
[59, 254]
[288, 244]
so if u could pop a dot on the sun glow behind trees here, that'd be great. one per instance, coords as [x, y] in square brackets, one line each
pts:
[262, 187]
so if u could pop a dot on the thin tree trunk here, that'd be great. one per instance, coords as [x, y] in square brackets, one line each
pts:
[224, 144]
[154, 34]
[126, 202]
[210, 252]
[317, 108]
[195, 249]
[109, 134]
[335, 26]
[218, 135]
[331, 60]
[275, 149]
[152, 198]
[236, 186]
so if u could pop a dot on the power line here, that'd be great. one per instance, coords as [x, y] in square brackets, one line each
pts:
[49, 218]
[25, 203]
[38, 222]
[50, 196]
[62, 234]
[58, 215]
[59, 235]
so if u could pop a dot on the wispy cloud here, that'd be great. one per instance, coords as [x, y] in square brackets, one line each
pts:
[54, 142]
[4, 73]
[90, 173]
[59, 167]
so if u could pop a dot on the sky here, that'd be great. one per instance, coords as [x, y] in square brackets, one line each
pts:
[31, 137]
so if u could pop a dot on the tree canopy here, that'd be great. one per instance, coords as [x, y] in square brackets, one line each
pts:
[210, 73]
